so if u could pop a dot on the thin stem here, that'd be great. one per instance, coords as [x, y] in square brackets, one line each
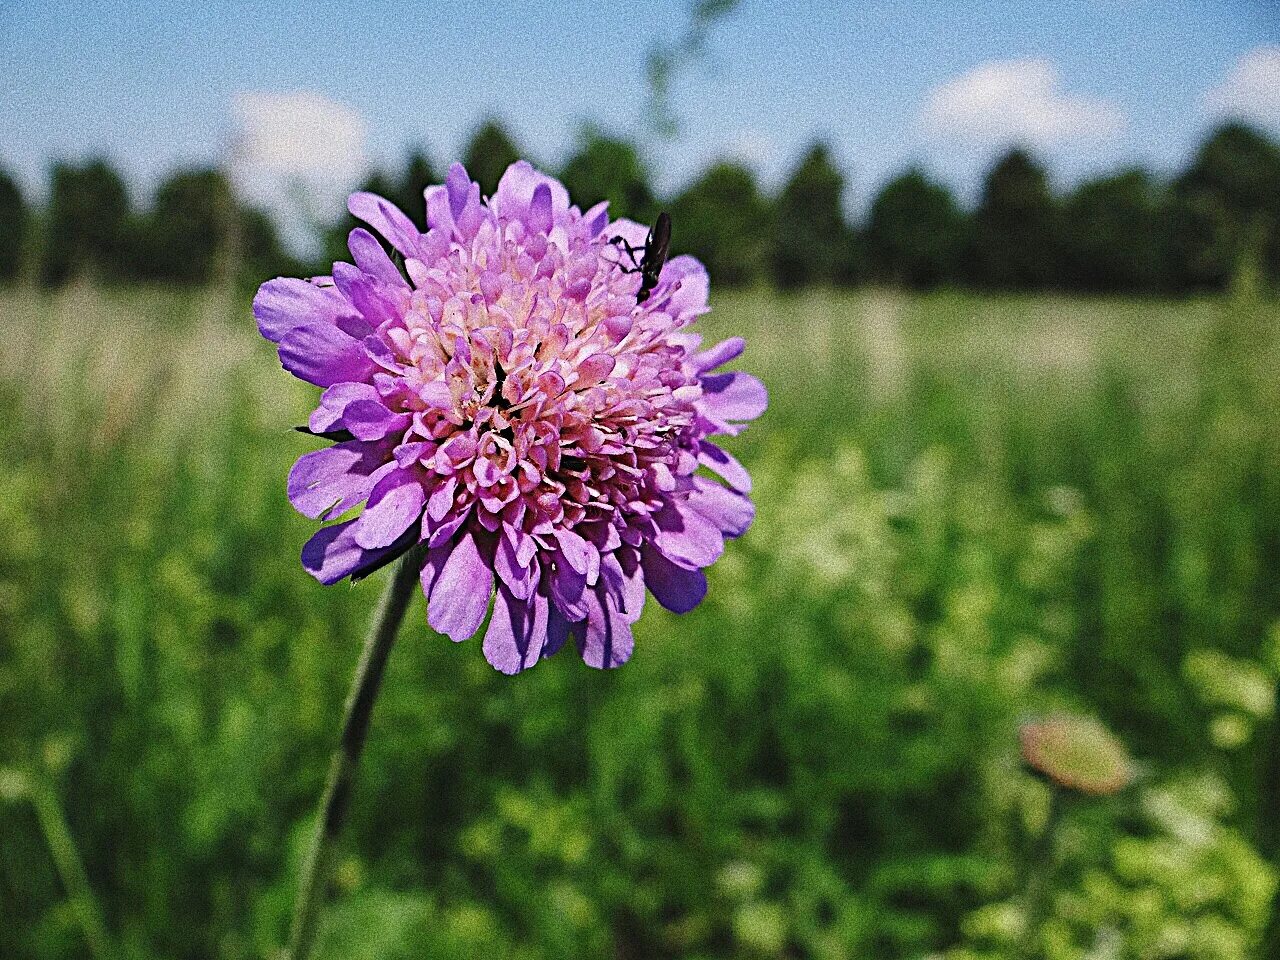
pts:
[355, 727]
[1040, 866]
[1269, 831]
[66, 859]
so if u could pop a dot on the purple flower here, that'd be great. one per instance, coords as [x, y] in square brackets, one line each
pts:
[506, 402]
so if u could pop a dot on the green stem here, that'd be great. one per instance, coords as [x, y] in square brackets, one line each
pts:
[66, 860]
[355, 727]
[1269, 831]
[1040, 868]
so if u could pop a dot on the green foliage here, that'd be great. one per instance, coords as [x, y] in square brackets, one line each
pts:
[812, 244]
[88, 224]
[1216, 226]
[724, 221]
[488, 154]
[15, 225]
[186, 235]
[1226, 210]
[1162, 876]
[260, 253]
[1111, 235]
[196, 233]
[915, 233]
[1015, 236]
[609, 168]
[969, 511]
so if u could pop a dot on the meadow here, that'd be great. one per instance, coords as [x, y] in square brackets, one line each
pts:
[971, 511]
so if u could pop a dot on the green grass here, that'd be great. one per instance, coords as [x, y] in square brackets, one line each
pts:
[971, 511]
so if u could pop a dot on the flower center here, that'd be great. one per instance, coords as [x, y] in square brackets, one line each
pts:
[565, 404]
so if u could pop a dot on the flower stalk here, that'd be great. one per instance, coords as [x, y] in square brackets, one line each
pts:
[70, 867]
[336, 800]
[1037, 882]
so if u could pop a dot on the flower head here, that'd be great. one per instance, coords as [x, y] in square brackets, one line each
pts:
[1076, 752]
[507, 403]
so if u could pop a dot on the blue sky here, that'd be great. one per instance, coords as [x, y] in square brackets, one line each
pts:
[1090, 83]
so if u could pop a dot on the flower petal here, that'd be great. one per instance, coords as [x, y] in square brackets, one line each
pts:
[623, 582]
[677, 589]
[687, 284]
[719, 355]
[439, 216]
[606, 641]
[332, 553]
[517, 189]
[686, 537]
[369, 420]
[567, 590]
[334, 402]
[517, 631]
[372, 259]
[375, 300]
[635, 234]
[575, 550]
[286, 302]
[464, 201]
[724, 463]
[730, 512]
[395, 504]
[460, 595]
[731, 397]
[558, 627]
[521, 579]
[335, 479]
[322, 354]
[597, 218]
[389, 220]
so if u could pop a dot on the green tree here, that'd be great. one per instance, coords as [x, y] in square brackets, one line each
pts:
[15, 228]
[811, 241]
[189, 233]
[1014, 242]
[262, 255]
[1224, 215]
[197, 232]
[609, 168]
[1111, 234]
[915, 232]
[723, 220]
[488, 154]
[88, 224]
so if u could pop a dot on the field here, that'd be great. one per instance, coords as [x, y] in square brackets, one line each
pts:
[971, 511]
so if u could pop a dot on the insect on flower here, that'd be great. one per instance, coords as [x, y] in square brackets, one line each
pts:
[653, 255]
[535, 417]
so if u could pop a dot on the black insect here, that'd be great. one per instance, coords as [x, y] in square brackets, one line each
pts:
[652, 255]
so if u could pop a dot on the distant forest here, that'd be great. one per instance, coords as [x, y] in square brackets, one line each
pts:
[1214, 225]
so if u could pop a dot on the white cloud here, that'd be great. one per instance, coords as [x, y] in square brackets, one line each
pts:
[297, 154]
[1015, 101]
[1251, 91]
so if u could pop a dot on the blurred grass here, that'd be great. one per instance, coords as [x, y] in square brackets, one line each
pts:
[971, 510]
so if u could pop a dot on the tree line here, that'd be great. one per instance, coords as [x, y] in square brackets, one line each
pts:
[1215, 223]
